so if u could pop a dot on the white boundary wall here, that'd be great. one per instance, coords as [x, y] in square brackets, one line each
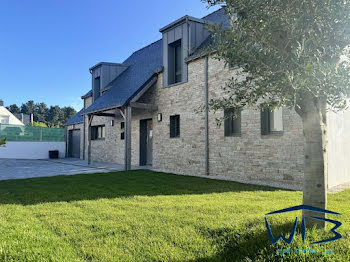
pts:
[338, 148]
[31, 150]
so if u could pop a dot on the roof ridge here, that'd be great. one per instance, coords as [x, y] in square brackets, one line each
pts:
[213, 12]
[144, 47]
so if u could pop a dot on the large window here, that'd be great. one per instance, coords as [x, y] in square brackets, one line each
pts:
[175, 62]
[175, 126]
[98, 132]
[271, 122]
[232, 122]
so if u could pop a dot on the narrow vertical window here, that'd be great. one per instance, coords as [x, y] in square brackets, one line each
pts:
[175, 126]
[271, 121]
[122, 131]
[175, 61]
[97, 87]
[276, 121]
[178, 63]
[232, 122]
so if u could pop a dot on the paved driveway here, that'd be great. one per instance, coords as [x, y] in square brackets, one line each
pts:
[16, 169]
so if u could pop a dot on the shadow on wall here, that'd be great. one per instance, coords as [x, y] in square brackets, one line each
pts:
[112, 185]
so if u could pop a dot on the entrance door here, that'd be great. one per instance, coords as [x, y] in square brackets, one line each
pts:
[74, 143]
[146, 142]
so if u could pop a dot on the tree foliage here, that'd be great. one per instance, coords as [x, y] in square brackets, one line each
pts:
[37, 124]
[287, 51]
[53, 116]
[294, 54]
[14, 109]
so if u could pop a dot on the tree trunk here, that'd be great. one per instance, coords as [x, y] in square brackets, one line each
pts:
[314, 118]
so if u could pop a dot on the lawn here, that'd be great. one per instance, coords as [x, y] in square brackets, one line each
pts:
[149, 216]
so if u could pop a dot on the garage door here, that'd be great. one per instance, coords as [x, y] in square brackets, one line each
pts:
[74, 143]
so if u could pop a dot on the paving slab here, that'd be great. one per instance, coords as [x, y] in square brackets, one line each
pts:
[21, 168]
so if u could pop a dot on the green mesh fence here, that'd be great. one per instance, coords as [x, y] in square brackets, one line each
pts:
[31, 133]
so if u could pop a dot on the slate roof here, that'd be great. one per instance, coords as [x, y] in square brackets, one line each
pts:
[88, 94]
[76, 119]
[217, 17]
[142, 66]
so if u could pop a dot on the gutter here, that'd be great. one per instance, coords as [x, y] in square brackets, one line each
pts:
[206, 92]
[84, 137]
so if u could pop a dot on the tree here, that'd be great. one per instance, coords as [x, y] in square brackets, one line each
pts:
[37, 124]
[54, 116]
[294, 54]
[14, 109]
[68, 112]
[40, 112]
[28, 108]
[2, 141]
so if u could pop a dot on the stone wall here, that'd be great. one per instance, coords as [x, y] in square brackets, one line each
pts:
[109, 148]
[270, 160]
[252, 158]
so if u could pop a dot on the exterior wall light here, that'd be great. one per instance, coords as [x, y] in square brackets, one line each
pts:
[159, 117]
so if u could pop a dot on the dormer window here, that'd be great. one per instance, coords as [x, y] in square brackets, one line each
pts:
[180, 38]
[97, 87]
[175, 62]
[103, 75]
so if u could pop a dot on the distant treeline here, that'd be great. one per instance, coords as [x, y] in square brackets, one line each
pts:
[53, 116]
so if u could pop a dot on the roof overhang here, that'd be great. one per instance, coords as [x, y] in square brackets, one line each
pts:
[152, 80]
[88, 94]
[181, 20]
[106, 63]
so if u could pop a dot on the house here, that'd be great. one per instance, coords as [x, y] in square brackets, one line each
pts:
[147, 111]
[25, 118]
[6, 117]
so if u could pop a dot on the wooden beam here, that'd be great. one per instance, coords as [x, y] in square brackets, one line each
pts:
[144, 90]
[127, 155]
[144, 106]
[121, 112]
[90, 118]
[105, 114]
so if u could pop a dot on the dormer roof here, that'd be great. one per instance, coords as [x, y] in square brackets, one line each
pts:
[180, 21]
[105, 63]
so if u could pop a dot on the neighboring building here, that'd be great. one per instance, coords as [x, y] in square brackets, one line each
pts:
[6, 117]
[24, 118]
[146, 111]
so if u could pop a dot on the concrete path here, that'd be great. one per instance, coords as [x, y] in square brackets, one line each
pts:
[17, 169]
[339, 188]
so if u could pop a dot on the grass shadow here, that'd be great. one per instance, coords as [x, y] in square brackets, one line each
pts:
[251, 243]
[112, 185]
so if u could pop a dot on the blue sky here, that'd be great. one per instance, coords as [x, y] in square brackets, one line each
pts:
[47, 46]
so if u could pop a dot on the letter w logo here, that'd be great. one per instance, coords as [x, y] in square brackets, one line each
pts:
[289, 240]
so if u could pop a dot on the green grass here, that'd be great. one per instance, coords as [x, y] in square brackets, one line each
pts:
[148, 216]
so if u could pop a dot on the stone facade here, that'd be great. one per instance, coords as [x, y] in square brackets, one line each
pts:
[252, 158]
